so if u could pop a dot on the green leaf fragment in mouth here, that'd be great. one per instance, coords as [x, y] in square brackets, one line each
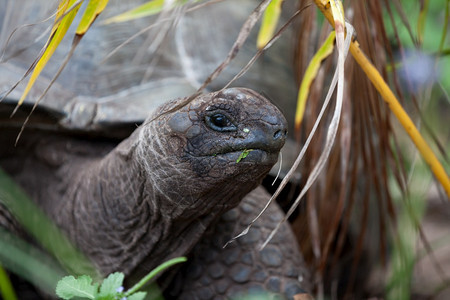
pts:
[243, 155]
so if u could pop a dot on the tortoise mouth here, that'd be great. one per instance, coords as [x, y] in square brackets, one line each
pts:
[243, 156]
[248, 156]
[251, 156]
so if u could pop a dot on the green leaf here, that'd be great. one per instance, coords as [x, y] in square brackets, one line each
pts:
[111, 284]
[93, 9]
[149, 8]
[137, 296]
[269, 23]
[310, 74]
[62, 24]
[422, 20]
[69, 287]
[144, 10]
[243, 155]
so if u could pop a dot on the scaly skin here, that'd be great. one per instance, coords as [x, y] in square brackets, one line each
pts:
[241, 269]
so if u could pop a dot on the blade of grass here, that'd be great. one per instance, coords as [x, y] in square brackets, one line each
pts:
[149, 8]
[6, 288]
[60, 13]
[422, 20]
[93, 9]
[403, 16]
[58, 32]
[65, 15]
[310, 74]
[42, 229]
[269, 23]
[22, 27]
[29, 262]
[444, 29]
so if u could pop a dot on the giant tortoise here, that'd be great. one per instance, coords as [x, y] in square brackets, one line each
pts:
[131, 198]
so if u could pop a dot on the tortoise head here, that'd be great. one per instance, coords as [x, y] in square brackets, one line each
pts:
[218, 146]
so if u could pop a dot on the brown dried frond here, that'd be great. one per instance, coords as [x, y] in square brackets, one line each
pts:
[351, 198]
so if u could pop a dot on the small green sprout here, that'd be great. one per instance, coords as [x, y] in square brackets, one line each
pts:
[243, 155]
[111, 288]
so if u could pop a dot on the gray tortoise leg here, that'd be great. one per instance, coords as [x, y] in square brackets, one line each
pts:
[214, 272]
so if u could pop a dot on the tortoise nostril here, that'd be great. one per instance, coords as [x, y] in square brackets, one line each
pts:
[278, 134]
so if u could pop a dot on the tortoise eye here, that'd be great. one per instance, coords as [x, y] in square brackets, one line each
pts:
[220, 122]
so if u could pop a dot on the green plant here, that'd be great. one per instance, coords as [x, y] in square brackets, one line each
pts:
[243, 155]
[111, 288]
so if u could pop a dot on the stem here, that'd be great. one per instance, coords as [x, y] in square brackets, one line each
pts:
[153, 273]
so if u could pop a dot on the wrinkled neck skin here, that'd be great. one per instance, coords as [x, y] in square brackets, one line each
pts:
[143, 204]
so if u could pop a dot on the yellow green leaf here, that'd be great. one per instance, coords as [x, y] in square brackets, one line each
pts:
[62, 24]
[147, 9]
[269, 23]
[150, 8]
[310, 74]
[93, 9]
[62, 8]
